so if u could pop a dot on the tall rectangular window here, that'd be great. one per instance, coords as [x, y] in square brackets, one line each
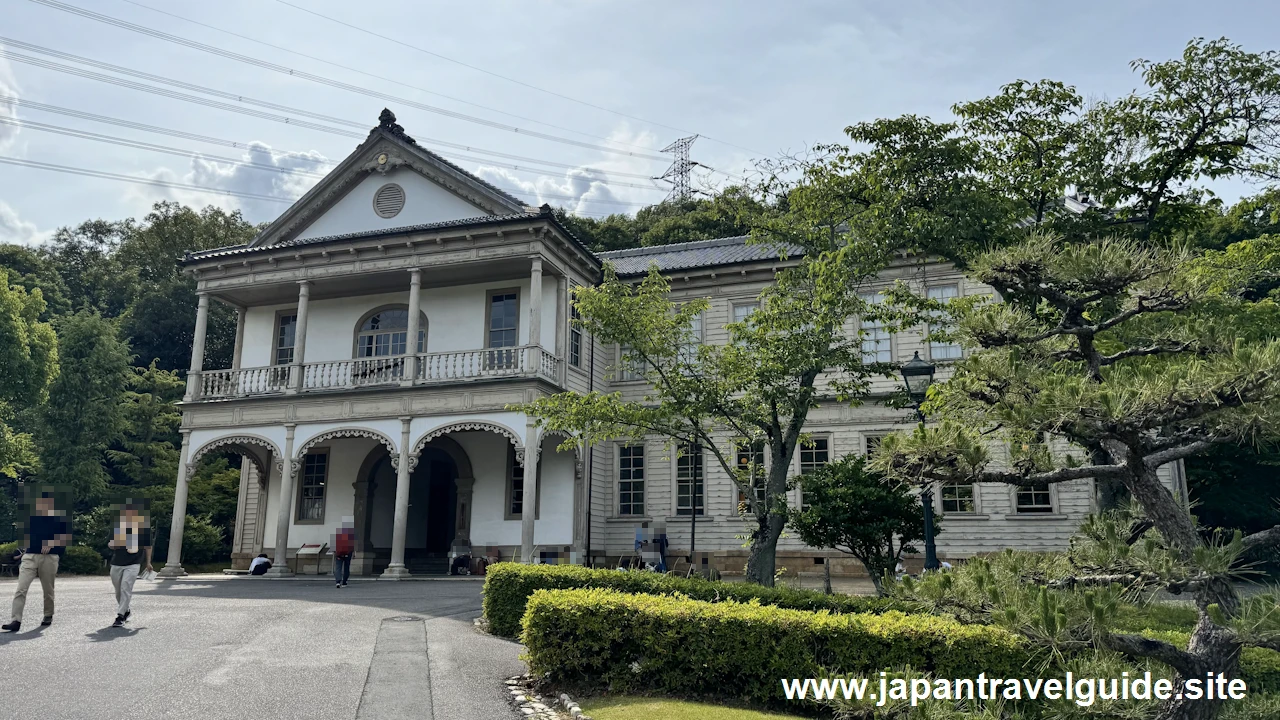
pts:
[873, 444]
[689, 486]
[630, 367]
[958, 498]
[876, 342]
[944, 350]
[750, 459]
[315, 470]
[575, 337]
[812, 458]
[1035, 499]
[286, 331]
[743, 311]
[515, 485]
[689, 348]
[631, 479]
[502, 334]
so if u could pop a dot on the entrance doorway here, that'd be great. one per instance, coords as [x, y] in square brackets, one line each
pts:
[433, 500]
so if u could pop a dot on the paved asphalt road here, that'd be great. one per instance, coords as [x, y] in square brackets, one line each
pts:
[249, 648]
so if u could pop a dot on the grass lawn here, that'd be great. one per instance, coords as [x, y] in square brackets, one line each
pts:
[639, 708]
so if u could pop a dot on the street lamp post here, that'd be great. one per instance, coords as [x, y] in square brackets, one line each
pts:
[918, 376]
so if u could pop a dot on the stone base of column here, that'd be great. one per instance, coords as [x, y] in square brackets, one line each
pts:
[394, 572]
[171, 571]
[278, 571]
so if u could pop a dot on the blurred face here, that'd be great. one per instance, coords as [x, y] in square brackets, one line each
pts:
[44, 506]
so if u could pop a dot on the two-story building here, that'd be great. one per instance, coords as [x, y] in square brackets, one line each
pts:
[389, 318]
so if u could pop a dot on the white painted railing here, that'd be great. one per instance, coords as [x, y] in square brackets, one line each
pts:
[241, 383]
[425, 369]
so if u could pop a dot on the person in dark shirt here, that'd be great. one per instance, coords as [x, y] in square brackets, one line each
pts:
[47, 535]
[130, 546]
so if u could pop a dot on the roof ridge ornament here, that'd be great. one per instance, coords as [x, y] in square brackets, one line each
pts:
[387, 121]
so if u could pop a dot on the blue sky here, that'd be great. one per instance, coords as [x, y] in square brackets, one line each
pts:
[756, 78]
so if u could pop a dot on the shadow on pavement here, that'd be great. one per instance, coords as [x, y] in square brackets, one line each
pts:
[8, 637]
[107, 634]
[460, 599]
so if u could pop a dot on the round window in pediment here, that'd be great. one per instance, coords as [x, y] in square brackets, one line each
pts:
[389, 200]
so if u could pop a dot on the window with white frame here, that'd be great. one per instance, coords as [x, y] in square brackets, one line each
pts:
[876, 341]
[944, 350]
[315, 471]
[1035, 499]
[689, 348]
[630, 366]
[749, 458]
[575, 337]
[502, 330]
[813, 456]
[742, 311]
[631, 479]
[286, 336]
[386, 332]
[958, 498]
[872, 444]
[689, 486]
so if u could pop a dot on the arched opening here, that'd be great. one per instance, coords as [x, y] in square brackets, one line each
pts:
[384, 332]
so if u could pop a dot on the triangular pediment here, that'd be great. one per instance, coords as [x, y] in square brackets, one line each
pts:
[433, 190]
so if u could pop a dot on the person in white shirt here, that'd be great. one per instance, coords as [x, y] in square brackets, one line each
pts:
[260, 565]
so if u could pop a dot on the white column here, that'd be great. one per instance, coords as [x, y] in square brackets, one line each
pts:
[415, 323]
[280, 565]
[239, 351]
[535, 314]
[396, 569]
[300, 337]
[173, 566]
[529, 510]
[562, 322]
[197, 347]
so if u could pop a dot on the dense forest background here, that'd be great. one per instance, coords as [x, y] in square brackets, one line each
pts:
[95, 338]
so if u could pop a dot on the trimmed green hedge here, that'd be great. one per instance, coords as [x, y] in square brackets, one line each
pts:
[80, 560]
[603, 639]
[507, 587]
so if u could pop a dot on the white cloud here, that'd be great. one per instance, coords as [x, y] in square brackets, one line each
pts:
[586, 190]
[9, 88]
[14, 229]
[243, 179]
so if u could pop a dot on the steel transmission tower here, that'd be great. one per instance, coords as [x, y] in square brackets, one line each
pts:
[678, 173]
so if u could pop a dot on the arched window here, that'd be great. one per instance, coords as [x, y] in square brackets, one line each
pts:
[385, 331]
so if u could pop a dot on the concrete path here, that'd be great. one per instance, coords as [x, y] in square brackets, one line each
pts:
[246, 648]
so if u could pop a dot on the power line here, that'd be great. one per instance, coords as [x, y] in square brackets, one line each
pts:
[32, 105]
[504, 77]
[376, 76]
[85, 172]
[68, 69]
[124, 142]
[107, 19]
[137, 180]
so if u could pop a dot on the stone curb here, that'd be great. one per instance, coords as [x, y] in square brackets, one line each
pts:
[532, 705]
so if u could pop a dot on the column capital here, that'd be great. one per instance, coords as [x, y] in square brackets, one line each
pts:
[305, 283]
[537, 264]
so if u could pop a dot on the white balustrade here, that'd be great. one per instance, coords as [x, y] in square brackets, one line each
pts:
[431, 369]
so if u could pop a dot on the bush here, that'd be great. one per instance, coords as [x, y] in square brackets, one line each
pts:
[645, 643]
[201, 540]
[507, 587]
[8, 549]
[80, 560]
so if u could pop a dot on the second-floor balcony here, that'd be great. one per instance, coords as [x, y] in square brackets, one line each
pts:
[426, 369]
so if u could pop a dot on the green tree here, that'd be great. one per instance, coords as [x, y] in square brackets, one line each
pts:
[82, 416]
[83, 258]
[727, 213]
[758, 390]
[28, 363]
[29, 269]
[147, 453]
[860, 513]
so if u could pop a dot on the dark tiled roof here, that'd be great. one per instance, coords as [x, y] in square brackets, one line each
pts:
[685, 256]
[543, 213]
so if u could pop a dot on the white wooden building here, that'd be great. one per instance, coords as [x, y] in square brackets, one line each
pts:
[345, 403]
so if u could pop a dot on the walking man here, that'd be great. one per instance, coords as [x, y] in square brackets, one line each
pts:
[344, 544]
[130, 545]
[46, 537]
